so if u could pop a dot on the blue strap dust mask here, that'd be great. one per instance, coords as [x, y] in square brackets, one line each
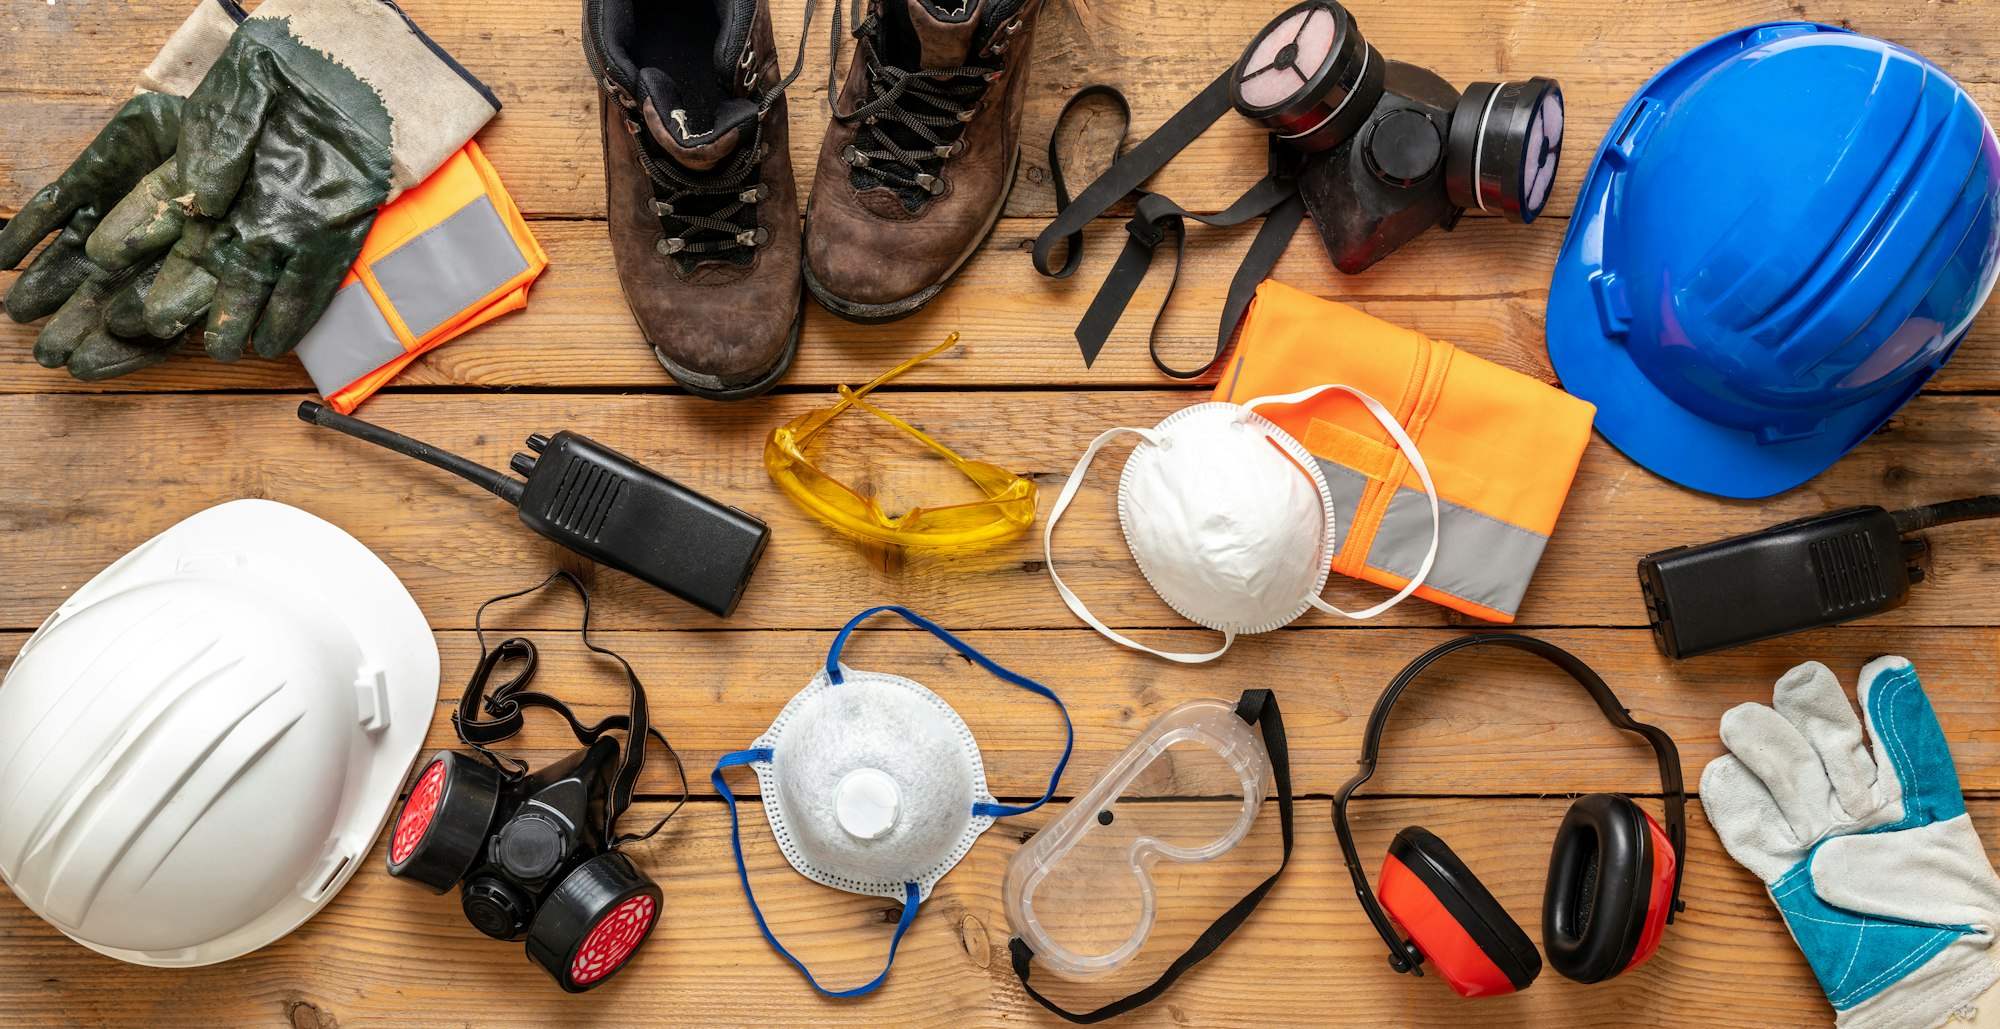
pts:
[872, 784]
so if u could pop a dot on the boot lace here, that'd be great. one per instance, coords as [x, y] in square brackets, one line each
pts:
[707, 214]
[911, 121]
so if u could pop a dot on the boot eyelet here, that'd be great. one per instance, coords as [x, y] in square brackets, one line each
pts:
[950, 151]
[967, 115]
[756, 237]
[930, 183]
[749, 78]
[671, 245]
[754, 194]
[997, 48]
[1012, 27]
[662, 209]
[854, 158]
[749, 58]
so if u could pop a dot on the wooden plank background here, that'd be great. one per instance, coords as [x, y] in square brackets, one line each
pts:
[1487, 756]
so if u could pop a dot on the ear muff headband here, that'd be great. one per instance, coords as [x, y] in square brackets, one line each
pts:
[1404, 956]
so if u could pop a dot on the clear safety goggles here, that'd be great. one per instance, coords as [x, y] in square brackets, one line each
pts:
[1008, 510]
[1086, 891]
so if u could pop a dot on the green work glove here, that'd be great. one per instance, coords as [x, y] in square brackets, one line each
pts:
[63, 280]
[317, 113]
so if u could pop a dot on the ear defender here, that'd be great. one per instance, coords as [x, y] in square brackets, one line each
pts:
[1611, 873]
[1449, 915]
[1614, 879]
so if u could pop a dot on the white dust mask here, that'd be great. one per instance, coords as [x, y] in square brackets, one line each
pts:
[1230, 518]
[873, 784]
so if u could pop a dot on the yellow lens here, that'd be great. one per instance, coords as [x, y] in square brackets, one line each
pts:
[1008, 510]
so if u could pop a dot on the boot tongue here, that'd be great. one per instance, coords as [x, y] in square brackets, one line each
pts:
[944, 32]
[695, 140]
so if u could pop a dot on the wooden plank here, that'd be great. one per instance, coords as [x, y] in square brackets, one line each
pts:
[1483, 723]
[545, 141]
[454, 545]
[386, 954]
[1017, 327]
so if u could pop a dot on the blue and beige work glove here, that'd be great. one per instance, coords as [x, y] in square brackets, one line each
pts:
[316, 114]
[1870, 857]
[87, 335]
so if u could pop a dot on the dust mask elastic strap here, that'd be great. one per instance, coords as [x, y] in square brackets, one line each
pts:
[1380, 413]
[1409, 449]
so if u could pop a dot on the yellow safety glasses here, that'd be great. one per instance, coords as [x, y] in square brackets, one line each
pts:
[1008, 510]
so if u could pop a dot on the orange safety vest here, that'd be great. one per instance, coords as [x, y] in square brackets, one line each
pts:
[1501, 447]
[448, 256]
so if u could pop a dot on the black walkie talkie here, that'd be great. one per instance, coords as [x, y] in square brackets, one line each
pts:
[607, 507]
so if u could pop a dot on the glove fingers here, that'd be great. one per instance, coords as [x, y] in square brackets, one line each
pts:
[101, 355]
[180, 296]
[239, 300]
[1909, 741]
[144, 224]
[305, 289]
[1810, 698]
[39, 217]
[1772, 749]
[223, 119]
[75, 321]
[125, 310]
[1936, 873]
[1747, 819]
[55, 274]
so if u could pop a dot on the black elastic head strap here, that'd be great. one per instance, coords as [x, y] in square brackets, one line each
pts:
[1404, 955]
[1259, 708]
[484, 719]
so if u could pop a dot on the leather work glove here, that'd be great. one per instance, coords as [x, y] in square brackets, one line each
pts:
[1872, 859]
[63, 280]
[317, 113]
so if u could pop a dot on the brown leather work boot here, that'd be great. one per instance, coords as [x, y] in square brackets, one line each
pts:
[698, 186]
[920, 154]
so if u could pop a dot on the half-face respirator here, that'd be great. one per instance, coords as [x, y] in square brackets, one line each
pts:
[535, 855]
[1377, 151]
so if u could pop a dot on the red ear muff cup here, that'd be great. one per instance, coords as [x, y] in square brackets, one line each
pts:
[1471, 941]
[594, 922]
[443, 824]
[1600, 888]
[1660, 903]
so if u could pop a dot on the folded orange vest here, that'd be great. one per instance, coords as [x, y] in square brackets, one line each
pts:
[446, 257]
[1501, 447]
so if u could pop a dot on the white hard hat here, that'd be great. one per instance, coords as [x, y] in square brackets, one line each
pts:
[199, 747]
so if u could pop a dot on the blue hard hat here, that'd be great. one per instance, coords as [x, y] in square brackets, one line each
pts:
[1787, 231]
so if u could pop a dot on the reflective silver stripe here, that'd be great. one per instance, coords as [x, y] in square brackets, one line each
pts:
[350, 340]
[1480, 558]
[1347, 485]
[452, 266]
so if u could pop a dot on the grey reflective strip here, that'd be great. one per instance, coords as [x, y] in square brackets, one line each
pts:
[1346, 485]
[351, 340]
[452, 266]
[1480, 558]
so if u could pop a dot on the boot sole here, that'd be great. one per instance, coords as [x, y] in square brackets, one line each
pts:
[876, 314]
[696, 383]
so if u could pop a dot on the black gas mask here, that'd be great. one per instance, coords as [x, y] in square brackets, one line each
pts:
[1377, 151]
[535, 855]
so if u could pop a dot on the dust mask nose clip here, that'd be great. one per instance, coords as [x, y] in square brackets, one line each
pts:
[1231, 520]
[873, 785]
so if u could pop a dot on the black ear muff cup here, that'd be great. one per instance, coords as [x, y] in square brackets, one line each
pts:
[1599, 888]
[594, 921]
[1469, 903]
[443, 823]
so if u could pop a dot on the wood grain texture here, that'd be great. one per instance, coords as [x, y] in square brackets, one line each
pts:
[1486, 754]
[454, 545]
[1484, 722]
[386, 953]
